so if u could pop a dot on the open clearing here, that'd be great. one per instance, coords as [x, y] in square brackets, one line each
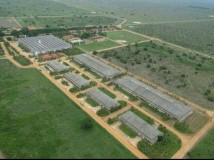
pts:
[95, 46]
[8, 23]
[47, 123]
[178, 71]
[194, 35]
[204, 149]
[37, 8]
[67, 22]
[125, 36]
[147, 11]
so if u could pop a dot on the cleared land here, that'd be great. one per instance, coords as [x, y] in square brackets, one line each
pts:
[8, 23]
[193, 35]
[95, 46]
[37, 8]
[46, 124]
[165, 148]
[125, 36]
[67, 22]
[147, 10]
[204, 149]
[178, 71]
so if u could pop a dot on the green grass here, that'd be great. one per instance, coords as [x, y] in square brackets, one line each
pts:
[163, 149]
[96, 46]
[107, 92]
[72, 51]
[184, 71]
[67, 22]
[22, 60]
[8, 23]
[97, 76]
[155, 110]
[128, 131]
[127, 36]
[182, 127]
[204, 149]
[143, 116]
[38, 121]
[1, 51]
[112, 121]
[131, 97]
[91, 102]
[102, 112]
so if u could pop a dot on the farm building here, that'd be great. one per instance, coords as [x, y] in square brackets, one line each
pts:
[57, 66]
[97, 66]
[103, 99]
[156, 98]
[72, 39]
[77, 80]
[141, 127]
[43, 44]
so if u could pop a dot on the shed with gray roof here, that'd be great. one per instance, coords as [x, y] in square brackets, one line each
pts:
[141, 127]
[43, 44]
[97, 66]
[77, 80]
[156, 98]
[103, 99]
[57, 66]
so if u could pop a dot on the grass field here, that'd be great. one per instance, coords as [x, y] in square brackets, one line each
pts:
[37, 8]
[96, 46]
[204, 149]
[125, 36]
[1, 51]
[176, 70]
[8, 23]
[129, 132]
[38, 121]
[113, 96]
[164, 149]
[193, 35]
[67, 22]
[149, 11]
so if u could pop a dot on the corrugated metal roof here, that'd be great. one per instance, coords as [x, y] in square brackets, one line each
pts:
[77, 79]
[103, 99]
[44, 44]
[101, 68]
[164, 102]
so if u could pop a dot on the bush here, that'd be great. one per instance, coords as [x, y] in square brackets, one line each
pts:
[102, 112]
[87, 124]
[112, 121]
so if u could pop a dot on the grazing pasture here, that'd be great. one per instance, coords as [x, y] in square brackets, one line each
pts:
[37, 120]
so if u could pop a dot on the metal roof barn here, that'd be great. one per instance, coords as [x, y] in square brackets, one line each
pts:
[141, 127]
[97, 66]
[156, 98]
[43, 44]
[77, 80]
[103, 99]
[57, 66]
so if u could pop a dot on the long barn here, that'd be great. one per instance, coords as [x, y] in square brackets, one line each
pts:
[156, 98]
[97, 66]
[140, 126]
[43, 44]
[103, 99]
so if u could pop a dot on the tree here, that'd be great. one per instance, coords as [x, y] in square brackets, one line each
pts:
[87, 124]
[160, 138]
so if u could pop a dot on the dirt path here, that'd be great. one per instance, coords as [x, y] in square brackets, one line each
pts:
[185, 21]
[185, 149]
[14, 19]
[10, 58]
[172, 44]
[186, 142]
[99, 120]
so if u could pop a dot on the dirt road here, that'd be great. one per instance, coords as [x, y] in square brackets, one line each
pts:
[187, 142]
[99, 120]
[10, 58]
